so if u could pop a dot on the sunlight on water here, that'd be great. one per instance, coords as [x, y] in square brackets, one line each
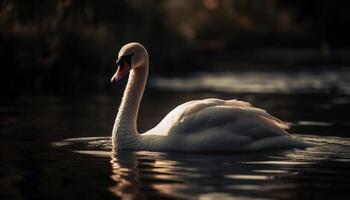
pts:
[252, 175]
[311, 123]
[248, 177]
[262, 82]
[271, 171]
[278, 162]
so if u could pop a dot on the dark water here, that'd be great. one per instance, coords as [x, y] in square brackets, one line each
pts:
[37, 162]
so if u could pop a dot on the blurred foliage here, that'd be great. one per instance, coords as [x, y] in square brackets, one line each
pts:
[71, 45]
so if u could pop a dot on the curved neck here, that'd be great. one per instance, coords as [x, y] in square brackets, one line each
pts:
[125, 125]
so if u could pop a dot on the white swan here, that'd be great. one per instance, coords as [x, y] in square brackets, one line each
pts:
[199, 125]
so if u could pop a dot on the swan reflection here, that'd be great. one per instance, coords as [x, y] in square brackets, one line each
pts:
[164, 175]
[138, 172]
[140, 175]
[126, 174]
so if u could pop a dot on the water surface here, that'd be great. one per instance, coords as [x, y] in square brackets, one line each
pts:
[38, 162]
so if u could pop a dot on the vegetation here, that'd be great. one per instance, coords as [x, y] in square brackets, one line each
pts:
[71, 45]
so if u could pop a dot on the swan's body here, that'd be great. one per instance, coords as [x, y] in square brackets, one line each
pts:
[200, 125]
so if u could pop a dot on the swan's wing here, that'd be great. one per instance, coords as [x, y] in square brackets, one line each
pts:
[252, 122]
[173, 118]
[235, 116]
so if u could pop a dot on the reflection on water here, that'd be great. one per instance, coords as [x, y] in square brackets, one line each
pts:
[126, 174]
[282, 174]
[84, 167]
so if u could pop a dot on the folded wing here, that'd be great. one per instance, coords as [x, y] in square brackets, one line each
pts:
[233, 116]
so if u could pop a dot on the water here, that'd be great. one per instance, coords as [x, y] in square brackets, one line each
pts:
[38, 162]
[287, 81]
[317, 172]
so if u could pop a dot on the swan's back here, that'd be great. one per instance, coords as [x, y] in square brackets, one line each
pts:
[240, 116]
[214, 124]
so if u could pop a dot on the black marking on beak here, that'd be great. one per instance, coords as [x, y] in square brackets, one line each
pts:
[125, 59]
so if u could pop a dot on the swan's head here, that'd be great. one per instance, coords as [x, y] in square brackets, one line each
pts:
[131, 56]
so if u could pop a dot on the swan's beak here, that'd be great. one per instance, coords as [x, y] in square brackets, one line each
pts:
[123, 69]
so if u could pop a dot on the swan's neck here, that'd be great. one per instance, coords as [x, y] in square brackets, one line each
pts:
[125, 131]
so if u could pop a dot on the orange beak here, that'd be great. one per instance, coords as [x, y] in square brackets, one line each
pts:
[122, 70]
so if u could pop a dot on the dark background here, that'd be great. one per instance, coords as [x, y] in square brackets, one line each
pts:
[69, 46]
[57, 58]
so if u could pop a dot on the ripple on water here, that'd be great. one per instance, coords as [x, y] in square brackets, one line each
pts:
[280, 174]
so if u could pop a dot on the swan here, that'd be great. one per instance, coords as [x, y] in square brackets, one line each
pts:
[198, 125]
